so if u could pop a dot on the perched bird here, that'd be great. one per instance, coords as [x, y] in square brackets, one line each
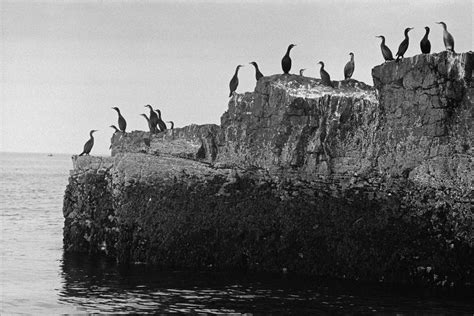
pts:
[153, 119]
[386, 52]
[121, 121]
[172, 124]
[161, 124]
[349, 68]
[258, 74]
[150, 126]
[88, 145]
[425, 44]
[234, 82]
[286, 60]
[325, 78]
[404, 44]
[115, 128]
[448, 39]
[301, 71]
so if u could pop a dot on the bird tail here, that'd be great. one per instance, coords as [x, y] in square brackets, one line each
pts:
[82, 153]
[398, 58]
[230, 94]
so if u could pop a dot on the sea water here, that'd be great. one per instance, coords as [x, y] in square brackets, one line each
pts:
[36, 277]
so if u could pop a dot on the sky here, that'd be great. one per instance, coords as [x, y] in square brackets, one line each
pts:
[64, 64]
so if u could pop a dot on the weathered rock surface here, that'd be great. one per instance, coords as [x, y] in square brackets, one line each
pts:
[193, 142]
[358, 182]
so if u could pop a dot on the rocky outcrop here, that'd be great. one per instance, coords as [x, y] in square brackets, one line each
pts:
[372, 183]
[193, 142]
[426, 129]
[296, 123]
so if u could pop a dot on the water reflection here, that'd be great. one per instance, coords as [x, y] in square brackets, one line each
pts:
[98, 285]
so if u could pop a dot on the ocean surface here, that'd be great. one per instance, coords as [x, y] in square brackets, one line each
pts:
[37, 278]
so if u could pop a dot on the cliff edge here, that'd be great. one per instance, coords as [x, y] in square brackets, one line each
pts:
[361, 182]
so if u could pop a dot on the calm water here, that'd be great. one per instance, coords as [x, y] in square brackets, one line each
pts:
[36, 277]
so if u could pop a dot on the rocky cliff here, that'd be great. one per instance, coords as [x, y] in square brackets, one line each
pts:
[363, 182]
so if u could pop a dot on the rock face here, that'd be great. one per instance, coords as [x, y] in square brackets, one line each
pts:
[372, 183]
[296, 123]
[427, 122]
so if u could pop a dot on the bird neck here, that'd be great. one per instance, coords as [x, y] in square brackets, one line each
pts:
[322, 66]
[427, 32]
[159, 114]
[91, 135]
[406, 34]
[288, 50]
[237, 70]
[352, 58]
[383, 41]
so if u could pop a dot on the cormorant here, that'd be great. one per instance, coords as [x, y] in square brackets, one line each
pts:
[325, 78]
[404, 44]
[425, 44]
[258, 74]
[153, 119]
[161, 124]
[172, 124]
[234, 82]
[150, 126]
[386, 52]
[115, 128]
[121, 121]
[88, 145]
[349, 68]
[301, 71]
[448, 39]
[286, 60]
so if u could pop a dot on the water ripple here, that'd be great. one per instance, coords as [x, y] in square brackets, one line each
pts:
[36, 278]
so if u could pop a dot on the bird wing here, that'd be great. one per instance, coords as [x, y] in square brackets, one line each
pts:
[88, 146]
[449, 43]
[387, 53]
[234, 82]
[402, 48]
[348, 70]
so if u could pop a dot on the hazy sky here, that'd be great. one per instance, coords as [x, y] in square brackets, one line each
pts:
[64, 64]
